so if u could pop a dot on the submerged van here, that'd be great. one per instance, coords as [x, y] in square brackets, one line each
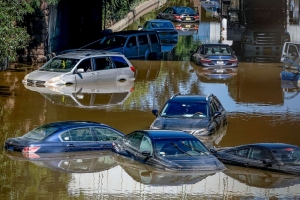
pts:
[132, 43]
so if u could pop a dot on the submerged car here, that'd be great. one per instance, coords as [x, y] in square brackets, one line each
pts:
[198, 115]
[82, 67]
[65, 136]
[165, 29]
[214, 55]
[179, 14]
[290, 74]
[167, 149]
[278, 157]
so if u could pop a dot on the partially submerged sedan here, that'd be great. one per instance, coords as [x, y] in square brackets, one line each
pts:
[65, 136]
[214, 55]
[82, 67]
[167, 149]
[278, 157]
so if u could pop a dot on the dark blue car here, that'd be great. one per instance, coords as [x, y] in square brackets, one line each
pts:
[65, 136]
[290, 74]
[167, 149]
[214, 55]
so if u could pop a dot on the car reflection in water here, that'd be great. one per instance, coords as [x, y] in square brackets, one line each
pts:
[211, 74]
[149, 175]
[70, 162]
[212, 141]
[261, 178]
[146, 69]
[94, 95]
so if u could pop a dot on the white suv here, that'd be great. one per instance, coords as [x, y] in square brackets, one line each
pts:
[82, 67]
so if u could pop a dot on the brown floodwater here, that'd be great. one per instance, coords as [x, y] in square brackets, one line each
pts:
[259, 110]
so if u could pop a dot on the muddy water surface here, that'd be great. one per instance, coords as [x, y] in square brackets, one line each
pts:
[259, 109]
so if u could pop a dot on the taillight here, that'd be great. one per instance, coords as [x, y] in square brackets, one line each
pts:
[131, 90]
[196, 17]
[30, 149]
[132, 68]
[178, 27]
[177, 17]
[196, 27]
[30, 155]
[205, 60]
[233, 60]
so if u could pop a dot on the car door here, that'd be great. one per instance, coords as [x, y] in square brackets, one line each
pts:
[290, 50]
[123, 68]
[256, 159]
[144, 46]
[79, 139]
[155, 43]
[131, 48]
[132, 144]
[105, 137]
[146, 146]
[222, 119]
[87, 74]
[104, 70]
[215, 120]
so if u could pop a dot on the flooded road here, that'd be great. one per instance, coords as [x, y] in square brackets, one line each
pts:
[259, 109]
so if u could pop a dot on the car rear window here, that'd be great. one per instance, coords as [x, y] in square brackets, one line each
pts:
[153, 38]
[119, 61]
[41, 132]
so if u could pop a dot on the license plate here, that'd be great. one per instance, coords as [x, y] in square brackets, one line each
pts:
[164, 33]
[187, 18]
[267, 50]
[220, 71]
[220, 62]
[188, 26]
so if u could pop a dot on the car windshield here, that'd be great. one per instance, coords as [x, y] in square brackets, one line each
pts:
[189, 109]
[114, 41]
[179, 147]
[220, 51]
[59, 64]
[185, 10]
[162, 25]
[289, 156]
[41, 132]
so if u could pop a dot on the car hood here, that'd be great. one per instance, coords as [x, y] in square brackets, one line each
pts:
[185, 124]
[204, 162]
[43, 75]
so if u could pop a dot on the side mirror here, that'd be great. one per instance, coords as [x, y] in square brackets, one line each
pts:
[217, 114]
[80, 71]
[213, 151]
[146, 153]
[155, 112]
[267, 162]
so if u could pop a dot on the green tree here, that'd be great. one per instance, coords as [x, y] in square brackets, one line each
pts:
[12, 36]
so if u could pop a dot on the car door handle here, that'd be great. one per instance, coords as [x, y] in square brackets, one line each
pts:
[70, 145]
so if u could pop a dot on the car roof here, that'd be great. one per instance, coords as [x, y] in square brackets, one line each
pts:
[156, 134]
[189, 98]
[80, 54]
[215, 45]
[72, 124]
[159, 20]
[268, 145]
[130, 32]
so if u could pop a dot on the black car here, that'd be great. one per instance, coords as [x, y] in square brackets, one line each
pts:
[179, 14]
[65, 136]
[196, 114]
[278, 157]
[167, 149]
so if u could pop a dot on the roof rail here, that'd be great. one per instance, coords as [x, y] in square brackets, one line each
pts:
[178, 93]
[209, 96]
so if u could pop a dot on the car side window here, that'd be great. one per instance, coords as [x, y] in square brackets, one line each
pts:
[85, 65]
[132, 42]
[65, 136]
[119, 61]
[81, 134]
[198, 50]
[105, 134]
[135, 139]
[143, 39]
[243, 152]
[103, 63]
[153, 38]
[146, 145]
[201, 50]
[146, 25]
[259, 154]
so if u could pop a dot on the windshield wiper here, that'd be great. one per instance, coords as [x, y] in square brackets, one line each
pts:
[177, 147]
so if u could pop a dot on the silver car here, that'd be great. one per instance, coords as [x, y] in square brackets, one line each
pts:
[82, 67]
